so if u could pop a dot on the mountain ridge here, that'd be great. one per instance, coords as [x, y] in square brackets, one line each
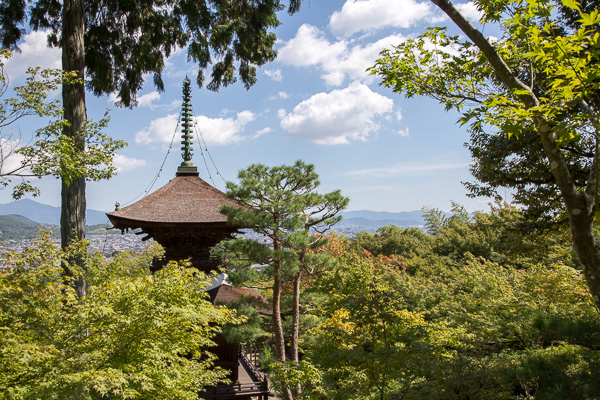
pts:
[46, 214]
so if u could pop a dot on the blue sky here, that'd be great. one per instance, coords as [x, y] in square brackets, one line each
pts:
[315, 103]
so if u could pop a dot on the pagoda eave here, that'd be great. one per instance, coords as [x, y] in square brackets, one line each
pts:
[128, 223]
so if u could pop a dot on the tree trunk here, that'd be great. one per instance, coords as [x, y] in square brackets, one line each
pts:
[580, 209]
[277, 322]
[296, 317]
[296, 324]
[579, 205]
[72, 219]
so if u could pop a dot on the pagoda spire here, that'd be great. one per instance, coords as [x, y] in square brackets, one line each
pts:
[187, 166]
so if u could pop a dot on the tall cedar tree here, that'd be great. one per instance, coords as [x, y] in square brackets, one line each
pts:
[496, 85]
[282, 204]
[112, 44]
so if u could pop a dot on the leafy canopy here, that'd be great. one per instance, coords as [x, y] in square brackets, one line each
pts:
[134, 335]
[126, 40]
[48, 153]
[552, 48]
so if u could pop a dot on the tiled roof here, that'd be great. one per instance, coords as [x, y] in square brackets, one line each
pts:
[185, 199]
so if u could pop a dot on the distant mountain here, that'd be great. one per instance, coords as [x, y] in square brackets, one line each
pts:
[18, 227]
[45, 214]
[383, 215]
[376, 219]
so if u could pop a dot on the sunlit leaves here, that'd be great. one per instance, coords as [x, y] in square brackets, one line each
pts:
[457, 75]
[50, 152]
[135, 334]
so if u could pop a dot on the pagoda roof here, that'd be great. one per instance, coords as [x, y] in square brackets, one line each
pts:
[186, 199]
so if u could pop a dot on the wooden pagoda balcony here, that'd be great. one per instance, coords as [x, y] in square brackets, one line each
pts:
[251, 383]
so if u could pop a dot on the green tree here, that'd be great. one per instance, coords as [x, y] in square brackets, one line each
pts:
[135, 334]
[111, 45]
[510, 166]
[456, 329]
[282, 204]
[540, 76]
[48, 153]
[370, 346]
[387, 240]
[497, 235]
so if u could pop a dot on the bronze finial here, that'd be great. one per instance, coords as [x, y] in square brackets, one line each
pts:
[187, 166]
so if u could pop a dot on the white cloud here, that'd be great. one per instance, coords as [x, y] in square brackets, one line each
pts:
[338, 117]
[403, 132]
[309, 47]
[470, 11]
[34, 53]
[281, 113]
[124, 163]
[148, 99]
[215, 131]
[11, 161]
[339, 60]
[280, 95]
[262, 132]
[369, 15]
[406, 169]
[274, 74]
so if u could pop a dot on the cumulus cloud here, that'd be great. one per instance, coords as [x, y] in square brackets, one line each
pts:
[406, 169]
[34, 53]
[310, 47]
[470, 11]
[274, 74]
[369, 15]
[215, 131]
[338, 117]
[339, 60]
[148, 99]
[124, 163]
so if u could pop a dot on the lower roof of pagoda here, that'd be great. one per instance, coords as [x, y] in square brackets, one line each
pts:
[185, 201]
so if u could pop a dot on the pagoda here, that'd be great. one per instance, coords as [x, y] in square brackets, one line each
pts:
[184, 218]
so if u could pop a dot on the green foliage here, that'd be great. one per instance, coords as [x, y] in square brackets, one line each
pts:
[49, 153]
[124, 41]
[443, 326]
[134, 335]
[369, 346]
[503, 235]
[389, 240]
[296, 374]
[554, 66]
[15, 227]
[281, 203]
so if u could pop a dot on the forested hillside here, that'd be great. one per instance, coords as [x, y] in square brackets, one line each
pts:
[481, 308]
[18, 227]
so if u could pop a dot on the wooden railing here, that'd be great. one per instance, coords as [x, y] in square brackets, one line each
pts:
[236, 389]
[259, 386]
[250, 360]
